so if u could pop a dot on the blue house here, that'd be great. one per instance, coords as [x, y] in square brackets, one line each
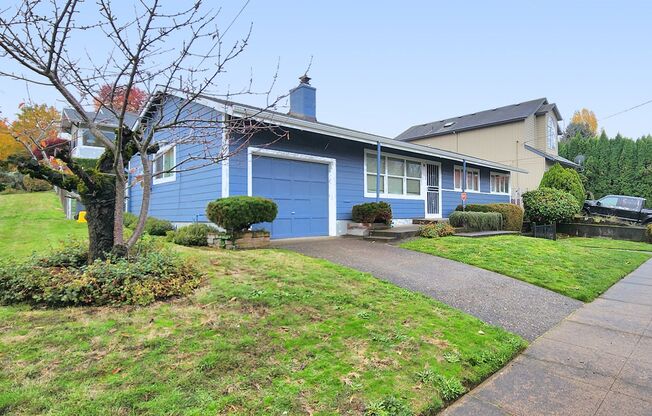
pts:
[316, 172]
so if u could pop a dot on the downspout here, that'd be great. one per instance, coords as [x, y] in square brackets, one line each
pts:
[464, 183]
[378, 171]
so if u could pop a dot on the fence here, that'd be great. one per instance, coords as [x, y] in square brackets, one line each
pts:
[547, 231]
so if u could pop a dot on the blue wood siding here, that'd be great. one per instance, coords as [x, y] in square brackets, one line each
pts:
[185, 199]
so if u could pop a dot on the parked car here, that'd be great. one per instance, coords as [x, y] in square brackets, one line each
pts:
[629, 208]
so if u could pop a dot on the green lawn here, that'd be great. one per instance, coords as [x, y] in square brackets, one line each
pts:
[34, 222]
[270, 332]
[567, 266]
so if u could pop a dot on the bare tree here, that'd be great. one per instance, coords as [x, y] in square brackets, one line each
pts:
[179, 52]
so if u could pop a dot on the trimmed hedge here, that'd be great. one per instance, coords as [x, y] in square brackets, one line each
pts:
[648, 233]
[512, 213]
[548, 205]
[372, 212]
[157, 226]
[237, 213]
[193, 235]
[441, 229]
[564, 179]
[477, 221]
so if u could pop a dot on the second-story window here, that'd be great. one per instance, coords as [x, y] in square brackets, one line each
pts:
[552, 133]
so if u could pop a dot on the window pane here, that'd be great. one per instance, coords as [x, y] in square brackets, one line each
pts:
[371, 183]
[472, 180]
[395, 167]
[413, 169]
[395, 185]
[413, 186]
[458, 178]
[371, 163]
[168, 159]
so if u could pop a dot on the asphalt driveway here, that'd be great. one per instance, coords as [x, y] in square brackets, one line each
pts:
[517, 306]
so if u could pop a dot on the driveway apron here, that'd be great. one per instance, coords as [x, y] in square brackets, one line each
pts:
[517, 306]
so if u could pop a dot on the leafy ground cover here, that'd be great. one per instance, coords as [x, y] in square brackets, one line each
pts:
[34, 222]
[269, 332]
[580, 268]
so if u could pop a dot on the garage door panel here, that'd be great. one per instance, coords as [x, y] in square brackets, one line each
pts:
[300, 189]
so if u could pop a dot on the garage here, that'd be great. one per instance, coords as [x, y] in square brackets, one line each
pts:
[299, 188]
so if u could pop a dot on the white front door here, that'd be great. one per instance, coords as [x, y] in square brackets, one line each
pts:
[433, 190]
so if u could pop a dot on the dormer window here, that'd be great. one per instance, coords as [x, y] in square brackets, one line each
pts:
[552, 133]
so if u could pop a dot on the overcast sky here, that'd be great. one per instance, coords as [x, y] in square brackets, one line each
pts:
[383, 66]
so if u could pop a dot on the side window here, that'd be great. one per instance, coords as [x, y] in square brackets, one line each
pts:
[609, 201]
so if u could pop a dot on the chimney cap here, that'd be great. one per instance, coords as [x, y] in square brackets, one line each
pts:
[305, 79]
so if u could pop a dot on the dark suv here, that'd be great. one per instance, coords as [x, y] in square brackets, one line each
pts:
[629, 208]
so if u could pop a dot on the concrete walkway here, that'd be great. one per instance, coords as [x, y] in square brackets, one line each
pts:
[517, 306]
[598, 361]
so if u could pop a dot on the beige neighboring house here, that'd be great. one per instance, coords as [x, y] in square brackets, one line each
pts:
[523, 135]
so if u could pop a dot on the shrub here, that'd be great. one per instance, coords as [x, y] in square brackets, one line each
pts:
[35, 185]
[193, 235]
[512, 213]
[441, 229]
[156, 226]
[564, 179]
[237, 213]
[648, 232]
[372, 212]
[479, 221]
[548, 205]
[150, 272]
[130, 220]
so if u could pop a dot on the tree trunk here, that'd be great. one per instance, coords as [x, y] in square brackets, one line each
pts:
[99, 216]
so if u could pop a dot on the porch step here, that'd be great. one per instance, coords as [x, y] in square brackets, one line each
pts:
[393, 234]
[425, 221]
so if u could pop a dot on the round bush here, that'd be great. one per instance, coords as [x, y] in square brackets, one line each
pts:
[156, 226]
[441, 229]
[192, 235]
[564, 179]
[149, 273]
[237, 213]
[129, 220]
[372, 212]
[648, 232]
[548, 205]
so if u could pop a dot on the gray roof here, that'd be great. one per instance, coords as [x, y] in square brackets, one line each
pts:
[103, 117]
[493, 117]
[553, 158]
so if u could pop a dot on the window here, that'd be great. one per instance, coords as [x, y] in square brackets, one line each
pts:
[552, 133]
[609, 201]
[398, 176]
[499, 183]
[163, 163]
[86, 138]
[472, 179]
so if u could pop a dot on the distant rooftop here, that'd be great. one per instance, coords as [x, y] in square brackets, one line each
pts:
[103, 117]
[493, 117]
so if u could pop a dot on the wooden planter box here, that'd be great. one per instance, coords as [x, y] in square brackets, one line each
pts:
[248, 240]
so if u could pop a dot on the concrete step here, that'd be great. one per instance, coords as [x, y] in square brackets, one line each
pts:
[425, 221]
[381, 239]
[397, 234]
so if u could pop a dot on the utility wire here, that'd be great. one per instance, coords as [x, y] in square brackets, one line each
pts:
[624, 111]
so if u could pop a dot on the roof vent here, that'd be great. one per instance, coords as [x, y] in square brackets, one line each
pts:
[450, 123]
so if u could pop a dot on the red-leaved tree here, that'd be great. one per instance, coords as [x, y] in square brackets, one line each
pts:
[117, 98]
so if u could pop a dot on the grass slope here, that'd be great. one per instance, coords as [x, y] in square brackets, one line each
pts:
[34, 222]
[270, 332]
[566, 266]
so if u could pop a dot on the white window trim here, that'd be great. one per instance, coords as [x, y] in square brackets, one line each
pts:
[332, 177]
[468, 169]
[509, 179]
[159, 154]
[386, 195]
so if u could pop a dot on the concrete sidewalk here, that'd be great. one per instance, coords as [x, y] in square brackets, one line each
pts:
[598, 361]
[517, 306]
